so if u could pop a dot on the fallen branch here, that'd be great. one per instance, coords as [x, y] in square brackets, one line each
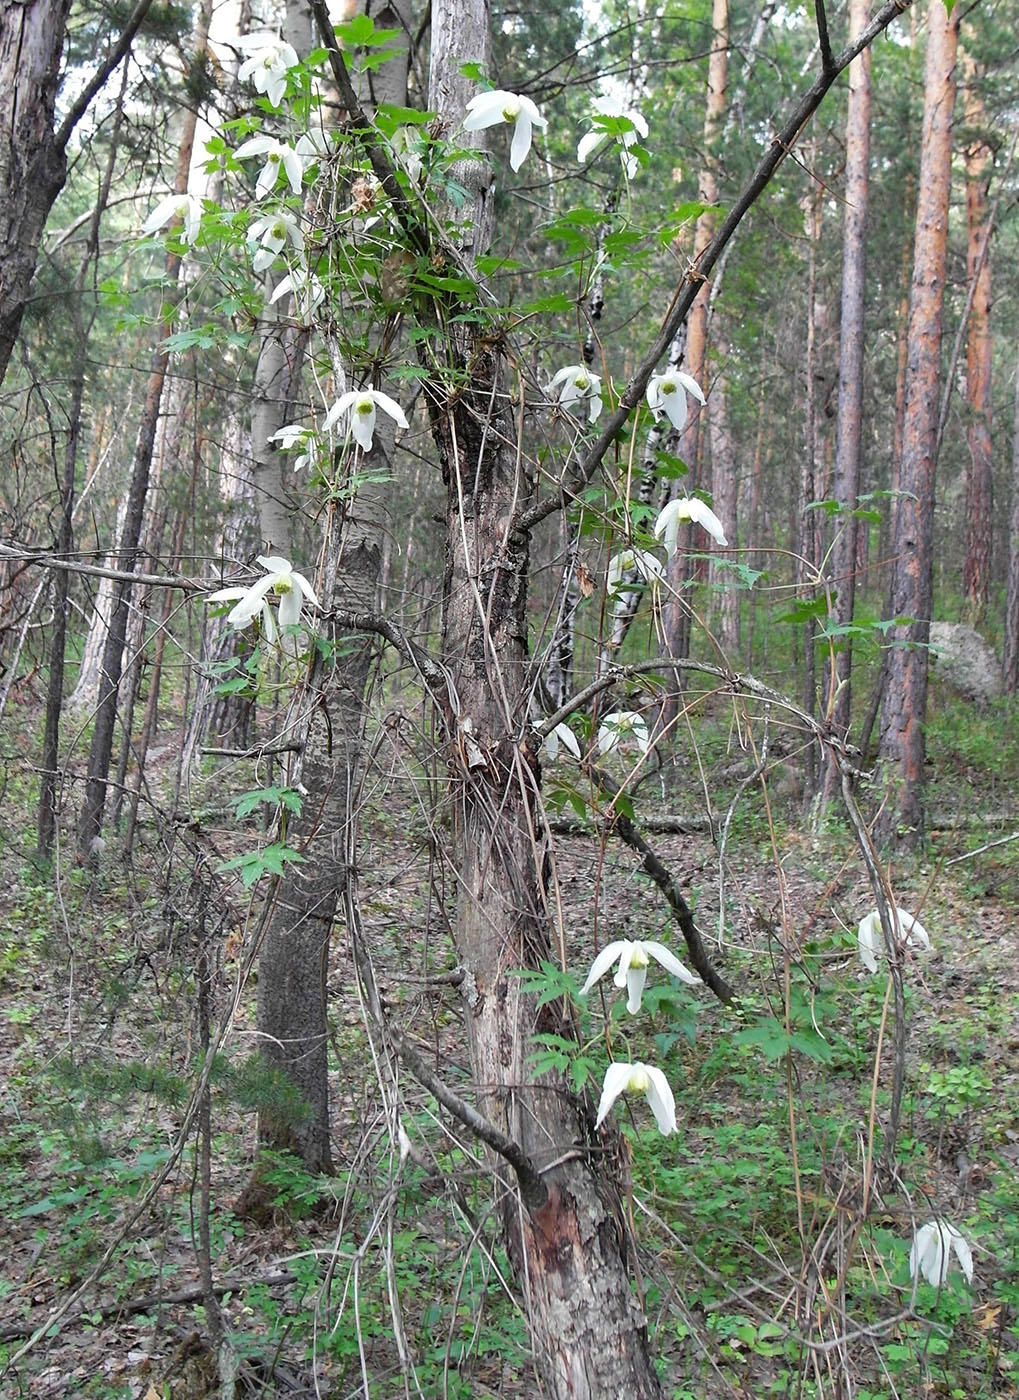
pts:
[131, 1308]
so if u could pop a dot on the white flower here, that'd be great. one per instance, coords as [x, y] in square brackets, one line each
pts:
[650, 569]
[577, 386]
[312, 147]
[909, 932]
[624, 724]
[293, 435]
[932, 1250]
[561, 734]
[361, 405]
[278, 157]
[273, 232]
[267, 67]
[666, 393]
[173, 207]
[631, 972]
[613, 107]
[279, 578]
[681, 512]
[237, 595]
[308, 292]
[489, 108]
[640, 1079]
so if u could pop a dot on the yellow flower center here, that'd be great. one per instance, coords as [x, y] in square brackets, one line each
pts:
[638, 957]
[639, 1081]
[365, 406]
[511, 111]
[667, 386]
[582, 382]
[283, 584]
[278, 231]
[274, 158]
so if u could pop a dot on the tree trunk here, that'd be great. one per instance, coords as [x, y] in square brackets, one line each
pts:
[111, 670]
[33, 166]
[47, 824]
[1010, 663]
[846, 486]
[905, 700]
[977, 566]
[567, 1249]
[676, 614]
[325, 721]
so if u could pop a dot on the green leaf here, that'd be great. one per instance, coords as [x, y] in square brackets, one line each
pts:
[272, 860]
[356, 32]
[272, 796]
[236, 686]
[804, 609]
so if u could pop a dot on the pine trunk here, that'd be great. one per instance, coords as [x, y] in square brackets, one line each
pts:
[977, 566]
[905, 699]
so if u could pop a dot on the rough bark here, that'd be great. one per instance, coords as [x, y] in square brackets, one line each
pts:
[905, 700]
[846, 485]
[676, 614]
[978, 505]
[33, 161]
[325, 718]
[566, 1243]
[1010, 662]
[32, 167]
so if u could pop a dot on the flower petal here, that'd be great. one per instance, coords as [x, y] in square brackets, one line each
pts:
[617, 1076]
[635, 979]
[391, 407]
[671, 963]
[659, 1096]
[601, 965]
[290, 608]
[521, 142]
[274, 563]
[587, 145]
[870, 940]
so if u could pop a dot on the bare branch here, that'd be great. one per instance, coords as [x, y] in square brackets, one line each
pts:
[687, 290]
[101, 74]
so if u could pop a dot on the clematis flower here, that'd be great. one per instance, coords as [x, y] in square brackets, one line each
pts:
[279, 578]
[577, 386]
[561, 736]
[681, 512]
[932, 1250]
[909, 931]
[273, 232]
[312, 146]
[666, 393]
[490, 108]
[641, 1079]
[631, 972]
[308, 292]
[361, 404]
[268, 64]
[173, 207]
[292, 436]
[613, 107]
[278, 157]
[623, 725]
[650, 569]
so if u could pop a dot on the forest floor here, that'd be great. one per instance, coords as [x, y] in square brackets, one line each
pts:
[761, 1273]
